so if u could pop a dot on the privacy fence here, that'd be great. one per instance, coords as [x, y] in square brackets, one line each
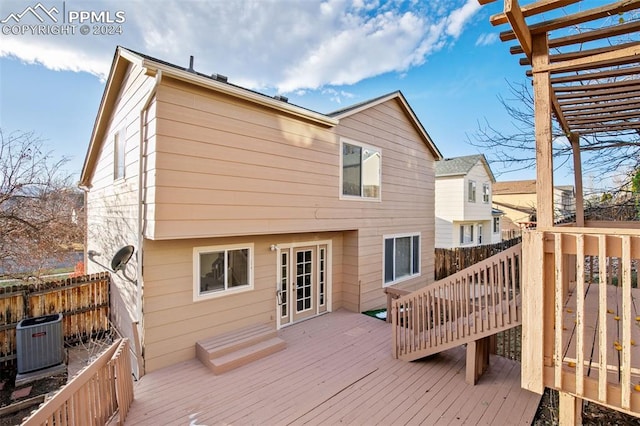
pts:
[450, 261]
[83, 301]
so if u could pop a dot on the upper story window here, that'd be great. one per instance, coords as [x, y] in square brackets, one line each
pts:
[486, 191]
[119, 152]
[220, 270]
[361, 171]
[472, 191]
[496, 224]
[401, 257]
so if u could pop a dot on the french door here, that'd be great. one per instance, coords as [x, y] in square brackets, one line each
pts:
[303, 282]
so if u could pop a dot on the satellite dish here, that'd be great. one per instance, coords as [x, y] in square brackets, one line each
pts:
[121, 258]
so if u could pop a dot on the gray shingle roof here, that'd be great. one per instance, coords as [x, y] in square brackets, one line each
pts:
[457, 165]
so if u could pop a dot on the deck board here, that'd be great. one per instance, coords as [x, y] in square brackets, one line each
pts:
[336, 368]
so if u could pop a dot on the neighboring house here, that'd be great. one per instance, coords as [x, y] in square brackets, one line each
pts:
[246, 209]
[518, 201]
[464, 216]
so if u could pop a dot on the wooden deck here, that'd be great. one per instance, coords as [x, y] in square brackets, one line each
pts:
[337, 368]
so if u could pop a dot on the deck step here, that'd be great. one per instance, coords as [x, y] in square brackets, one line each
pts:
[231, 350]
[246, 355]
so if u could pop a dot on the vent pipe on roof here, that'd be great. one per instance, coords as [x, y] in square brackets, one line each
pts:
[191, 64]
[219, 77]
[281, 98]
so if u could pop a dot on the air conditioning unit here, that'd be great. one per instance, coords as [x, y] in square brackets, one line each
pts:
[39, 343]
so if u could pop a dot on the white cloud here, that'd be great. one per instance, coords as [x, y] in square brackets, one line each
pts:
[286, 46]
[459, 17]
[486, 39]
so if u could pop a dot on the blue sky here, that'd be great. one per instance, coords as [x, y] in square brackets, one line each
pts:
[324, 55]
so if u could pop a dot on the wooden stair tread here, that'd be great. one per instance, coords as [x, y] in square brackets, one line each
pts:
[225, 343]
[234, 349]
[246, 355]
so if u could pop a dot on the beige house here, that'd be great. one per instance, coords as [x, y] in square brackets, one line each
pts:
[517, 199]
[245, 209]
[464, 216]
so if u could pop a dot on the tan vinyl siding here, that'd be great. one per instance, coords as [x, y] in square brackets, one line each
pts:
[173, 322]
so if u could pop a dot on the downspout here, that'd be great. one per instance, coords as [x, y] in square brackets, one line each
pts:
[141, 215]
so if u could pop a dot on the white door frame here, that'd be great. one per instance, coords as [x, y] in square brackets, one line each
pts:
[328, 276]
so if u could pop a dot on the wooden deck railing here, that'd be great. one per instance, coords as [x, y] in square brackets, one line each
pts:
[99, 393]
[467, 306]
[581, 307]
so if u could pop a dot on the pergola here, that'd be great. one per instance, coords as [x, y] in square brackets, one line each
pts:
[584, 73]
[585, 65]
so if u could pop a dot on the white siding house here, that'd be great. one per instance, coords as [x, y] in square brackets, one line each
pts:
[464, 216]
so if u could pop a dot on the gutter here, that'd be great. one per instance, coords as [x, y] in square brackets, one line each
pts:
[141, 216]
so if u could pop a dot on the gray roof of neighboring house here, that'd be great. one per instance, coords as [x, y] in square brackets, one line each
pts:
[461, 165]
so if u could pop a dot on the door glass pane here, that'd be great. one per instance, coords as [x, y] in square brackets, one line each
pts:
[304, 279]
[284, 284]
[322, 273]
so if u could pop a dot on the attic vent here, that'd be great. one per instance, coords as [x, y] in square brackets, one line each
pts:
[191, 64]
[281, 98]
[219, 77]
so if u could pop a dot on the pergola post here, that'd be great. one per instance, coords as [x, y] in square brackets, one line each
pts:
[544, 149]
[574, 138]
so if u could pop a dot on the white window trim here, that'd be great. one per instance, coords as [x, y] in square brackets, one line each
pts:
[496, 229]
[356, 197]
[197, 296]
[408, 277]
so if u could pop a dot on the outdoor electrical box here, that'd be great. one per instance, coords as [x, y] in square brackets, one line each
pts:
[39, 343]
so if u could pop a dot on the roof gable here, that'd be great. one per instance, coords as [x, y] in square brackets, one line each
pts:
[354, 109]
[459, 166]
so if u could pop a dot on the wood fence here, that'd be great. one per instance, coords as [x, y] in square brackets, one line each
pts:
[83, 301]
[450, 261]
[100, 394]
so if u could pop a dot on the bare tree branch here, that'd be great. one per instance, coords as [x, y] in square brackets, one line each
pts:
[39, 207]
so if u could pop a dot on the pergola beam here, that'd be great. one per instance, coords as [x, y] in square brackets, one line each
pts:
[588, 36]
[515, 17]
[560, 57]
[532, 9]
[577, 18]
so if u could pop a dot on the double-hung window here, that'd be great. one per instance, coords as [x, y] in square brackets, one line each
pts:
[496, 224]
[401, 257]
[219, 270]
[361, 171]
[471, 191]
[485, 192]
